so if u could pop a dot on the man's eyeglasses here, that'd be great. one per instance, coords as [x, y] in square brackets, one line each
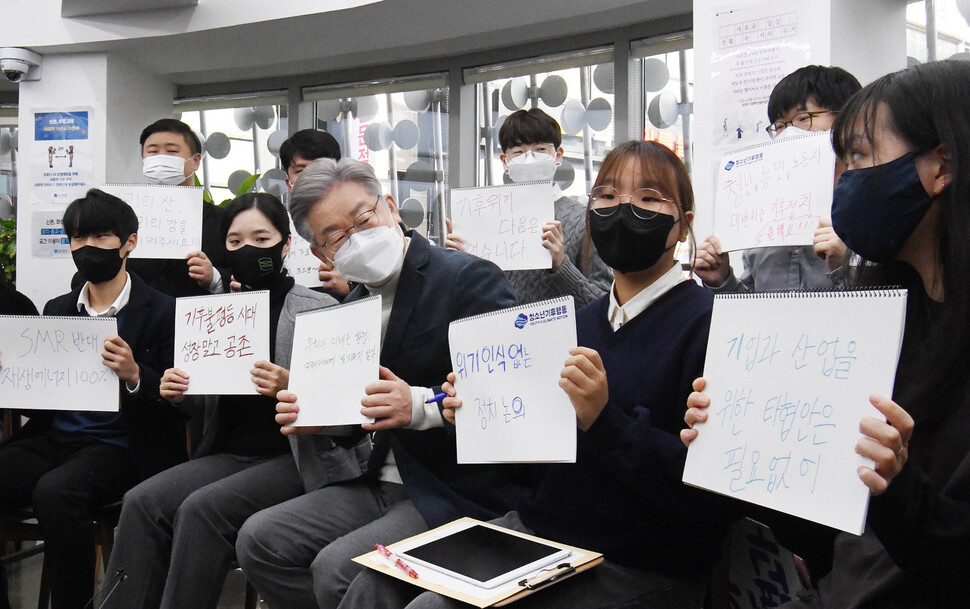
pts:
[365, 220]
[802, 120]
[645, 203]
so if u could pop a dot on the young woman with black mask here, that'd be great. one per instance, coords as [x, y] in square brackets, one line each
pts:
[176, 532]
[641, 345]
[904, 203]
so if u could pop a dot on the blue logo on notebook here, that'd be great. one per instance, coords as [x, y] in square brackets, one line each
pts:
[729, 165]
[521, 320]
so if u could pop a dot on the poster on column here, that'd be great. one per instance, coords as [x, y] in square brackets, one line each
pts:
[755, 45]
[60, 160]
[789, 375]
[218, 338]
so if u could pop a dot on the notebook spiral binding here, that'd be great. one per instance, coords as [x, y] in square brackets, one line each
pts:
[249, 292]
[339, 306]
[872, 292]
[525, 307]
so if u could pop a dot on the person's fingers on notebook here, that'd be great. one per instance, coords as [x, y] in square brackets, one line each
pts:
[173, 385]
[269, 378]
[584, 381]
[885, 442]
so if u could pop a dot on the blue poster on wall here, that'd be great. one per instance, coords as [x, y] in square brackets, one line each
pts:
[60, 126]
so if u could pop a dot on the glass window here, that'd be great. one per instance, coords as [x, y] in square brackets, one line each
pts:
[239, 143]
[952, 30]
[399, 127]
[575, 89]
[666, 69]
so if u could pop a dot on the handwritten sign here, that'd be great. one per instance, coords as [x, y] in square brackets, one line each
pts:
[507, 365]
[54, 363]
[300, 263]
[169, 218]
[504, 223]
[218, 338]
[774, 194]
[336, 353]
[789, 377]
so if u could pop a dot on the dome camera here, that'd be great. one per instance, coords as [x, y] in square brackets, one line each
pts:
[19, 64]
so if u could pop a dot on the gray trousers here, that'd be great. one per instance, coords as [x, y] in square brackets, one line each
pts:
[298, 554]
[177, 529]
[607, 585]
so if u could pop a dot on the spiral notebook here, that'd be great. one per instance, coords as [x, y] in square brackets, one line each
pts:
[54, 363]
[789, 375]
[169, 218]
[775, 193]
[507, 366]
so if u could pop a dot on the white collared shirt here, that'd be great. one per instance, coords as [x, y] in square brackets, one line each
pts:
[84, 303]
[619, 315]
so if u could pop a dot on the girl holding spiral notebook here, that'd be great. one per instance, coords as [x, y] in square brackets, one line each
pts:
[904, 202]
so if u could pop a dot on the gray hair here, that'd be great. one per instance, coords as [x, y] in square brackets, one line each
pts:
[317, 179]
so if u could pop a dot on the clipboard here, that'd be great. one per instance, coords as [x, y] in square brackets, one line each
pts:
[577, 561]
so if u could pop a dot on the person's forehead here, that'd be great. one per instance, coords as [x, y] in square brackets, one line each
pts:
[166, 138]
[341, 204]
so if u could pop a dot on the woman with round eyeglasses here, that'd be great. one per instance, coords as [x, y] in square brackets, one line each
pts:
[628, 381]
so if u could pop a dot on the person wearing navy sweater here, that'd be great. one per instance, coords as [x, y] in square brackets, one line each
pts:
[66, 463]
[628, 381]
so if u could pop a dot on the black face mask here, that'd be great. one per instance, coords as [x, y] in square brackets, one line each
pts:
[876, 209]
[627, 243]
[256, 267]
[97, 264]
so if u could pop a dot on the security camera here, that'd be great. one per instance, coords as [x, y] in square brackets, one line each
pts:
[19, 64]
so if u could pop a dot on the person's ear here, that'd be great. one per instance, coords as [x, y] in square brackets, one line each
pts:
[935, 170]
[392, 205]
[129, 244]
[192, 163]
[559, 155]
[685, 229]
[505, 163]
[286, 246]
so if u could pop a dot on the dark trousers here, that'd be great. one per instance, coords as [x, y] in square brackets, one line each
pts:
[65, 480]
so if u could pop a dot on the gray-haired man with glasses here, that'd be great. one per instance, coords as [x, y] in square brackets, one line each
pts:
[806, 100]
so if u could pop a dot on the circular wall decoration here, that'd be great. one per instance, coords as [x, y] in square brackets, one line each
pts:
[603, 77]
[378, 136]
[553, 91]
[412, 212]
[515, 94]
[217, 145]
[656, 74]
[236, 179]
[406, 135]
[274, 141]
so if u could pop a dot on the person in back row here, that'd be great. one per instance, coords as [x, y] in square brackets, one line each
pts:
[806, 100]
[171, 153]
[296, 153]
[65, 463]
[531, 151]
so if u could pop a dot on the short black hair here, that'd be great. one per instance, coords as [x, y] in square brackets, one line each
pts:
[99, 212]
[269, 205]
[310, 144]
[830, 87]
[529, 127]
[170, 125]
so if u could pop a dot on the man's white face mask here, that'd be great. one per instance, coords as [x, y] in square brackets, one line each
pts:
[790, 132]
[164, 169]
[532, 167]
[371, 256]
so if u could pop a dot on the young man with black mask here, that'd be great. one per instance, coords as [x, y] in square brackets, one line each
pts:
[64, 464]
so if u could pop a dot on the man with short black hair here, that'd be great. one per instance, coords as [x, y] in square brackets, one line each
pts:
[531, 150]
[806, 100]
[63, 463]
[171, 153]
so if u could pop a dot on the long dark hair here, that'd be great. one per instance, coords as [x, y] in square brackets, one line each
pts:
[927, 105]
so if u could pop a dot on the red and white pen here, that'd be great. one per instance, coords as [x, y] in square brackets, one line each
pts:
[400, 564]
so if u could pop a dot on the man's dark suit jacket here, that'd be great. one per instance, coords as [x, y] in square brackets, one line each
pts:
[156, 429]
[438, 286]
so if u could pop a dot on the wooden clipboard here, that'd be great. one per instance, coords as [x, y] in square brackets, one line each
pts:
[579, 561]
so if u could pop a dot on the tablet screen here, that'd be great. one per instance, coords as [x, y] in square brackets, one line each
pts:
[485, 556]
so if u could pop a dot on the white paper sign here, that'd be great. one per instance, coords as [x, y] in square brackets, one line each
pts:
[789, 376]
[218, 338]
[507, 366]
[504, 223]
[774, 194]
[336, 353]
[301, 263]
[169, 218]
[54, 363]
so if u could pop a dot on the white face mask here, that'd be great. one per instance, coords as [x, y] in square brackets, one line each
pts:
[532, 167]
[371, 257]
[164, 169]
[789, 132]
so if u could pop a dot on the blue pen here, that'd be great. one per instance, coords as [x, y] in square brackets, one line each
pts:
[437, 398]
